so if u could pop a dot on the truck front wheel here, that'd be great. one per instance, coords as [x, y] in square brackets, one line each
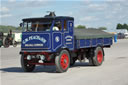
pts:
[98, 57]
[62, 61]
[25, 65]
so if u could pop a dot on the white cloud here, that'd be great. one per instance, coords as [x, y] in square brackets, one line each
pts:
[11, 0]
[115, 0]
[91, 13]
[4, 9]
[25, 3]
[5, 15]
[97, 6]
[93, 5]
[30, 0]
[70, 14]
[89, 18]
[4, 12]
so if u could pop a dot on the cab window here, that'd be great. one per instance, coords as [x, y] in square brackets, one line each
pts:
[65, 25]
[37, 26]
[57, 26]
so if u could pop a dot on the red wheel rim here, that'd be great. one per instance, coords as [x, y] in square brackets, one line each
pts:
[99, 56]
[64, 61]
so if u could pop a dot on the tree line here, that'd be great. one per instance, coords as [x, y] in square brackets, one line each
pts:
[6, 29]
[119, 26]
[84, 27]
[122, 26]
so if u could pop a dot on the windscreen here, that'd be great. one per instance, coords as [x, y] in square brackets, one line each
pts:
[36, 26]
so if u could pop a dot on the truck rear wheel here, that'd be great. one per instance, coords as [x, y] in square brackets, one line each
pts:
[62, 61]
[25, 65]
[98, 57]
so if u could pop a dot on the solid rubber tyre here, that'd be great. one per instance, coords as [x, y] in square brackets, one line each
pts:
[98, 57]
[25, 66]
[62, 61]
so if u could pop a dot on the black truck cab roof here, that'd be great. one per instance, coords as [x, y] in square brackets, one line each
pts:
[48, 18]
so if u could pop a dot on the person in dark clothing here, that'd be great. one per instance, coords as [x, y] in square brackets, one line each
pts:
[10, 33]
[1, 35]
[1, 38]
[9, 37]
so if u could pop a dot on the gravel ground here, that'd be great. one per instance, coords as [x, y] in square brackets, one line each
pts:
[114, 71]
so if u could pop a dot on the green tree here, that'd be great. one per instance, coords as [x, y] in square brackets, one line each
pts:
[81, 27]
[6, 29]
[102, 28]
[125, 26]
[19, 28]
[119, 26]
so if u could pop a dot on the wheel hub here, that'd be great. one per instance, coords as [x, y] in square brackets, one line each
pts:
[64, 61]
[100, 56]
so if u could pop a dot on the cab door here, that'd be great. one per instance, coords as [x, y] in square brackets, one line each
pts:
[68, 34]
[57, 40]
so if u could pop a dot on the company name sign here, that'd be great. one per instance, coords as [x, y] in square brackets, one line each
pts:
[34, 38]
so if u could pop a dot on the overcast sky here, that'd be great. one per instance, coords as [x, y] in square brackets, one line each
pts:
[92, 13]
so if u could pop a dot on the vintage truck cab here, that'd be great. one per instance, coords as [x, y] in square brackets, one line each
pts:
[50, 40]
[40, 34]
